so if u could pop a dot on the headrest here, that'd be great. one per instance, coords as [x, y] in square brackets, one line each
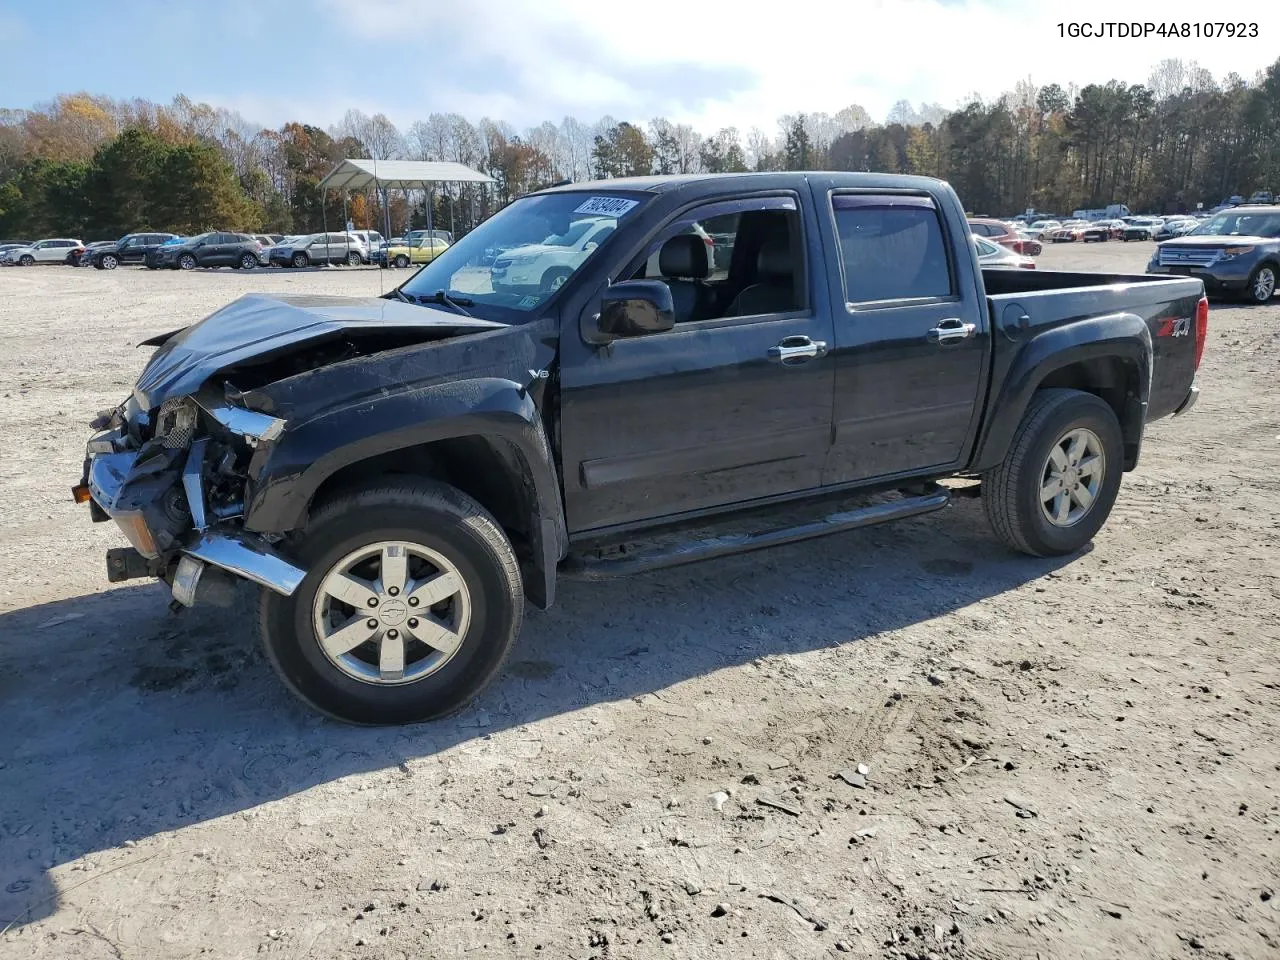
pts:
[774, 259]
[684, 256]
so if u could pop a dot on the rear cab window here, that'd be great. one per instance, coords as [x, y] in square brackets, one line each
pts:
[892, 248]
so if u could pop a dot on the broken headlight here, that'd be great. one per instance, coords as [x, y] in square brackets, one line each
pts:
[176, 423]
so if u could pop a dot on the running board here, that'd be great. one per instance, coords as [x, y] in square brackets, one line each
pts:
[691, 551]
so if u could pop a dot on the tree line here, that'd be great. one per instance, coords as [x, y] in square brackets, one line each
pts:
[92, 166]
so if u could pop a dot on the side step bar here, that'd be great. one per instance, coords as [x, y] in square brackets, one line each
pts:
[692, 551]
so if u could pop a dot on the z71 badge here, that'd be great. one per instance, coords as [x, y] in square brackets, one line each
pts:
[1175, 327]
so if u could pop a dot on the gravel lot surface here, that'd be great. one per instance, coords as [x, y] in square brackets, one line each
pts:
[1071, 758]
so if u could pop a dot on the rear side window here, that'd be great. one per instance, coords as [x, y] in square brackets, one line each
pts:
[891, 247]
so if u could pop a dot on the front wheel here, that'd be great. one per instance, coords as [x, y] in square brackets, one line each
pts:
[301, 260]
[187, 262]
[26, 260]
[412, 603]
[1060, 477]
[1262, 284]
[353, 259]
[554, 279]
[108, 261]
[402, 261]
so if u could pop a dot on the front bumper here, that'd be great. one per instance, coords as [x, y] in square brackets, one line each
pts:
[134, 499]
[1225, 277]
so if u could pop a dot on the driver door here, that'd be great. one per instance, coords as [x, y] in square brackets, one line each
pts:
[713, 412]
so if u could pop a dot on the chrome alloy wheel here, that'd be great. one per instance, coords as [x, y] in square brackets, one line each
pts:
[1072, 477]
[391, 612]
[1264, 285]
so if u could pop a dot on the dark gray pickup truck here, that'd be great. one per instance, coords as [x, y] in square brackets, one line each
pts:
[614, 377]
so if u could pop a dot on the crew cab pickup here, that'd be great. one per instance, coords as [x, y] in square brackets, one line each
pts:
[399, 474]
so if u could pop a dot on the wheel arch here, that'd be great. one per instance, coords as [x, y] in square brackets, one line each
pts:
[495, 450]
[1109, 357]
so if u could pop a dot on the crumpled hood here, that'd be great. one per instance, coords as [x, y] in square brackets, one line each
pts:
[259, 326]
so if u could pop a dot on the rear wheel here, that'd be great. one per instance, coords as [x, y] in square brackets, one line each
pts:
[1060, 478]
[1262, 284]
[411, 605]
[248, 261]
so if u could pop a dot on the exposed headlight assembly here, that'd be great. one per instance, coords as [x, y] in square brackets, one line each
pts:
[176, 423]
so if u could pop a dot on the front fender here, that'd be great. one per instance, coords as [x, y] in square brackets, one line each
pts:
[1120, 336]
[285, 475]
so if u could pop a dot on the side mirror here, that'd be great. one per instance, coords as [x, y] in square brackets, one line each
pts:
[634, 308]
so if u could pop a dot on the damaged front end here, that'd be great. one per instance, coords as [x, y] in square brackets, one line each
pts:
[175, 486]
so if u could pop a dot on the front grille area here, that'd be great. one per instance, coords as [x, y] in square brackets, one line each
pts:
[1188, 256]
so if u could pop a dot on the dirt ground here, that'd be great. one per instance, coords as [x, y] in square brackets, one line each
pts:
[1069, 758]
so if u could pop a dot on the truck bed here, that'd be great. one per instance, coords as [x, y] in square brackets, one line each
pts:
[1026, 303]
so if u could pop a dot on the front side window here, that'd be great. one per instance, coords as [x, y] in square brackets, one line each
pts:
[891, 247]
[519, 257]
[730, 258]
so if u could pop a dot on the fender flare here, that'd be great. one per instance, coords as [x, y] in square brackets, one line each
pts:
[286, 474]
[1118, 336]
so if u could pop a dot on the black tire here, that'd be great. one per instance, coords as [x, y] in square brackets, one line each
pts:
[1252, 292]
[401, 261]
[26, 260]
[553, 278]
[301, 260]
[248, 261]
[1011, 491]
[187, 261]
[354, 259]
[108, 261]
[436, 516]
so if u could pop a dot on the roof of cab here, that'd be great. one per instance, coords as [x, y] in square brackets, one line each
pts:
[663, 184]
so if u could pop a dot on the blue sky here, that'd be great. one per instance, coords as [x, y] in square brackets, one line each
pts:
[712, 64]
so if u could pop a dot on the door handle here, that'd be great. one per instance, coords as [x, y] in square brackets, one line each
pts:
[952, 329]
[797, 349]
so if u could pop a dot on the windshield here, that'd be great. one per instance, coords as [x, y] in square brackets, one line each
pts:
[1240, 225]
[519, 257]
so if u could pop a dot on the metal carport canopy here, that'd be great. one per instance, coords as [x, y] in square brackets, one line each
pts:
[402, 174]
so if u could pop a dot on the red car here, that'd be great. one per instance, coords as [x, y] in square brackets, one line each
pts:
[997, 231]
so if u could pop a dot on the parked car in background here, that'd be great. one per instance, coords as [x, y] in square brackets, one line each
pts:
[1141, 228]
[1099, 232]
[1176, 227]
[319, 248]
[131, 248]
[418, 251]
[1234, 252]
[1068, 232]
[993, 256]
[1261, 197]
[82, 258]
[372, 240]
[413, 235]
[542, 267]
[54, 250]
[1039, 228]
[213, 249]
[997, 231]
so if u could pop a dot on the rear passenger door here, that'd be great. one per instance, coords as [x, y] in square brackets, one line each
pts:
[911, 335]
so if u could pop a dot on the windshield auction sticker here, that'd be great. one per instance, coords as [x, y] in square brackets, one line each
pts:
[606, 206]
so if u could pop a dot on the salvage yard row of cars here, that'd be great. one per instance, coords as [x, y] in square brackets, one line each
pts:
[227, 249]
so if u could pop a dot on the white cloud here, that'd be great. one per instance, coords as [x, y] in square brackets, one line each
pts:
[717, 64]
